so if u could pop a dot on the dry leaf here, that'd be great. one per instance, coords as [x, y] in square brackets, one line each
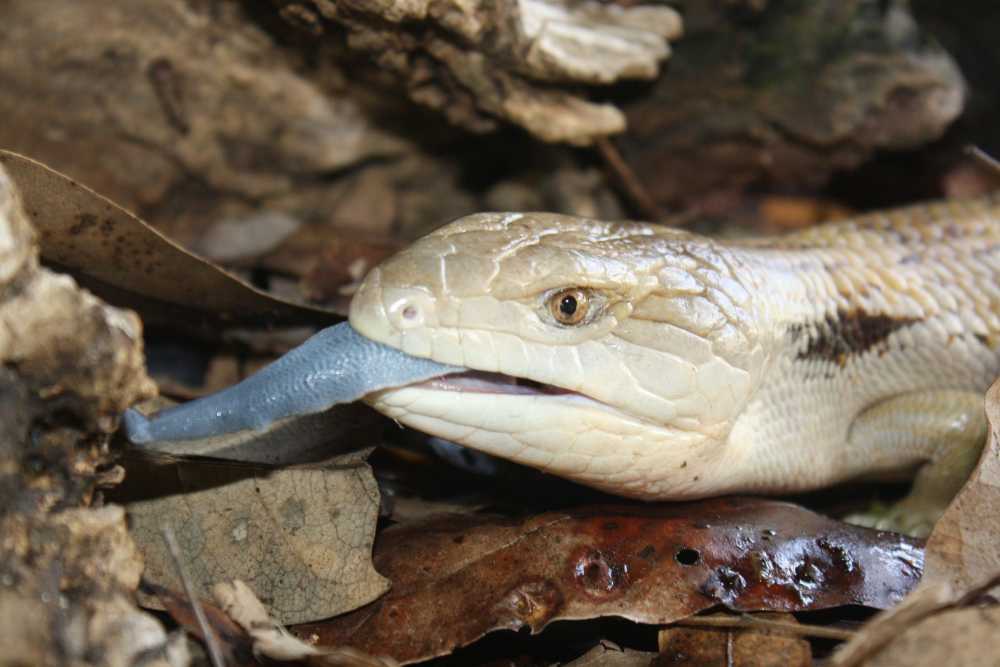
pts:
[733, 647]
[331, 261]
[129, 261]
[962, 553]
[235, 644]
[964, 548]
[882, 629]
[607, 654]
[272, 641]
[957, 638]
[300, 536]
[456, 578]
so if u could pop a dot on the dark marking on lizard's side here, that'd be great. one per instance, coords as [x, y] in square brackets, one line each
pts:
[991, 341]
[847, 333]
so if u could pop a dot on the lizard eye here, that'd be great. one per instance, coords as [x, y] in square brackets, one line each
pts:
[569, 306]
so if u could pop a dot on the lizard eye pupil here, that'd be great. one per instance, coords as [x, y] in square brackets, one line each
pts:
[568, 305]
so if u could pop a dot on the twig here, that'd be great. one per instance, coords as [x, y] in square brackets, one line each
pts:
[214, 651]
[879, 632]
[984, 158]
[633, 187]
[746, 621]
[974, 594]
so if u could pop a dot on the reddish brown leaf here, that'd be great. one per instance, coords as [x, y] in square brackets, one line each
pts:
[456, 578]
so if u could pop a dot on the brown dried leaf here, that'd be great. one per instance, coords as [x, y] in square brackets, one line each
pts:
[330, 260]
[607, 654]
[300, 536]
[782, 212]
[967, 637]
[964, 547]
[885, 627]
[455, 579]
[272, 641]
[962, 554]
[733, 647]
[133, 264]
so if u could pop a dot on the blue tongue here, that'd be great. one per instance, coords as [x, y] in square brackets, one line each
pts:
[337, 365]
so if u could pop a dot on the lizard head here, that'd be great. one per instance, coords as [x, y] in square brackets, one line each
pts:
[616, 355]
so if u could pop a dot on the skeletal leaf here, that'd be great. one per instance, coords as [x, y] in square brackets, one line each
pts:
[301, 537]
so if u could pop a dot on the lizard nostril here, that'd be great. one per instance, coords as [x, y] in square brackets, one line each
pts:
[407, 311]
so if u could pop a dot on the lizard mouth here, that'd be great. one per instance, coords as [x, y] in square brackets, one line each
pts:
[483, 382]
[486, 383]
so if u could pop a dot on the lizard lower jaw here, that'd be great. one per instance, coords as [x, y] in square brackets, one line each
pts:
[554, 430]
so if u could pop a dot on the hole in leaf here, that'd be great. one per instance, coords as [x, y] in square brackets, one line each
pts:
[688, 556]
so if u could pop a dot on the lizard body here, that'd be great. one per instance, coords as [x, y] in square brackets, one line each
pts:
[658, 364]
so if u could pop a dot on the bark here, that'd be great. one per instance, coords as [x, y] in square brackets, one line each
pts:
[780, 95]
[69, 365]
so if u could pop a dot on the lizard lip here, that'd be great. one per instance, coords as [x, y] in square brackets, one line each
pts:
[498, 384]
[482, 382]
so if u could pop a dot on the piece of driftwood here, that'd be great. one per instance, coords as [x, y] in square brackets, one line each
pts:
[516, 60]
[68, 365]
